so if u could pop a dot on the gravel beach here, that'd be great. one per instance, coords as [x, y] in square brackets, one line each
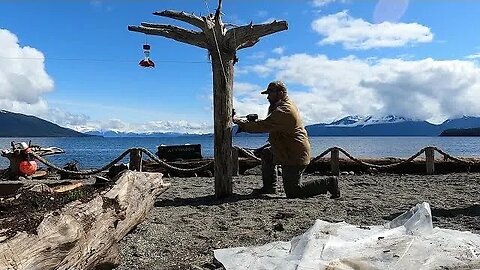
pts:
[188, 223]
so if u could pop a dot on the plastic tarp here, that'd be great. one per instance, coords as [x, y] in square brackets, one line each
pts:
[407, 242]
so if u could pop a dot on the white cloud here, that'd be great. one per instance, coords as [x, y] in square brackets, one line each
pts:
[38, 108]
[181, 126]
[279, 50]
[321, 3]
[257, 55]
[247, 99]
[240, 88]
[66, 119]
[473, 56]
[23, 78]
[84, 123]
[327, 89]
[358, 34]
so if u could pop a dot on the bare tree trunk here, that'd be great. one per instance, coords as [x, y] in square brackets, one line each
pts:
[222, 44]
[222, 104]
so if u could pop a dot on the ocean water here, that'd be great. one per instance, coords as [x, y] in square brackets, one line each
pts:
[94, 152]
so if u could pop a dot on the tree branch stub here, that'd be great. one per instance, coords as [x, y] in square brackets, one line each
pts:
[179, 34]
[240, 37]
[182, 16]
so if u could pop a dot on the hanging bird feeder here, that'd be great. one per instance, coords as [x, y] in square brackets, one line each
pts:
[146, 62]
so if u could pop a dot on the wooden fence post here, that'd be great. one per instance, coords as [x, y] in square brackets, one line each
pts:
[135, 160]
[235, 163]
[335, 161]
[430, 160]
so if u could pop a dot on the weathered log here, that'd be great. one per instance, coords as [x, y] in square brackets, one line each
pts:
[85, 235]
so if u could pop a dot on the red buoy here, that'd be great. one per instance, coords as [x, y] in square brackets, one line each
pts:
[28, 167]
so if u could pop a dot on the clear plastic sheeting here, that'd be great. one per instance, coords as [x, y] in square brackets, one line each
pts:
[407, 242]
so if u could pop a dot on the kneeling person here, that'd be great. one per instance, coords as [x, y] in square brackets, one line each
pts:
[289, 147]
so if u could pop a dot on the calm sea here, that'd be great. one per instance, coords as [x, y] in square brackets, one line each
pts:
[94, 152]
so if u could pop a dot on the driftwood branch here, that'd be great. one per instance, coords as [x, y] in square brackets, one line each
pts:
[85, 235]
[179, 34]
[240, 37]
[182, 16]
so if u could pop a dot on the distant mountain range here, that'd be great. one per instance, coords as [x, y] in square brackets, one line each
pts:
[115, 133]
[20, 125]
[390, 125]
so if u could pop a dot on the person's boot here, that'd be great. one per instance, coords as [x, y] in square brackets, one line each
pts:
[265, 190]
[332, 187]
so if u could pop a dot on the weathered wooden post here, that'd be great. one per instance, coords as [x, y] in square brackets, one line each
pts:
[135, 163]
[335, 161]
[222, 45]
[430, 160]
[235, 164]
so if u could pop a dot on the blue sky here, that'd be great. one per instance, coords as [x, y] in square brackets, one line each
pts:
[75, 62]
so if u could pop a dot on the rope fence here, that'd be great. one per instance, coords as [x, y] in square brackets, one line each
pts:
[251, 153]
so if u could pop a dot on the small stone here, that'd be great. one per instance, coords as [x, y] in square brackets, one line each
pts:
[278, 227]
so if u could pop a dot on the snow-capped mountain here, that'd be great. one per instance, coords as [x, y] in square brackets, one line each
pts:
[349, 121]
[357, 120]
[116, 133]
[390, 125]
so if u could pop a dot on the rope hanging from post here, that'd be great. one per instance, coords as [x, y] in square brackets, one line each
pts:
[84, 172]
[453, 158]
[381, 166]
[356, 160]
[177, 169]
[322, 154]
[109, 165]
[247, 152]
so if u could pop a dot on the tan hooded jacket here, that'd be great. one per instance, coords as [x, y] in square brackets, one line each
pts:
[287, 135]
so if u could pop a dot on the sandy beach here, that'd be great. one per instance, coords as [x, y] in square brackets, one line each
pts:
[188, 223]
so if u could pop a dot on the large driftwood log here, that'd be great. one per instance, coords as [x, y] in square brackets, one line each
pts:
[85, 235]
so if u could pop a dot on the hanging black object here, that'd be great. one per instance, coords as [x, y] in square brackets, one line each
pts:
[146, 62]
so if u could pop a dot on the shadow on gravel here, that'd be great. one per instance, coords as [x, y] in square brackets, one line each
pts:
[471, 211]
[212, 200]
